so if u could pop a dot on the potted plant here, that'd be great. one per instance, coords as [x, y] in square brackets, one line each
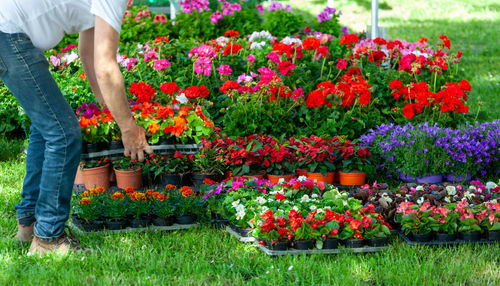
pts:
[415, 220]
[444, 222]
[128, 172]
[162, 209]
[492, 220]
[331, 229]
[207, 164]
[272, 231]
[375, 230]
[303, 231]
[355, 163]
[88, 212]
[95, 173]
[188, 205]
[168, 169]
[115, 210]
[352, 232]
[245, 157]
[319, 160]
[468, 224]
[279, 161]
[139, 204]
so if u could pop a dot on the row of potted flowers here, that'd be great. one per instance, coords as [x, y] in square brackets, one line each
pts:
[99, 208]
[457, 220]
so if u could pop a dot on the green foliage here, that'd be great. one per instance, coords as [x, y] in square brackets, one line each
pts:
[10, 149]
[282, 23]
[13, 120]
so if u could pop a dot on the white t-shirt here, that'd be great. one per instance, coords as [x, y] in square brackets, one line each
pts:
[46, 21]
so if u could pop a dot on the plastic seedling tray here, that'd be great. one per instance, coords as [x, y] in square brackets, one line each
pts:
[444, 243]
[175, 226]
[341, 249]
[238, 236]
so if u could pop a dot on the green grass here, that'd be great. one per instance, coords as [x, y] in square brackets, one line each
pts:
[472, 27]
[205, 256]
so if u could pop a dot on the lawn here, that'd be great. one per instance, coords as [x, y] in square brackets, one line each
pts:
[207, 256]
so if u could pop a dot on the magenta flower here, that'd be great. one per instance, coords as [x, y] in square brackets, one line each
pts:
[251, 58]
[55, 61]
[224, 70]
[131, 62]
[274, 57]
[260, 8]
[152, 55]
[204, 66]
[161, 64]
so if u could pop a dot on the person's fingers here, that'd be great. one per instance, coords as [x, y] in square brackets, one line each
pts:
[133, 155]
[126, 151]
[140, 154]
[148, 149]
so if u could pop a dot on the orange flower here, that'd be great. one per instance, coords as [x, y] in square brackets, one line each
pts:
[138, 196]
[186, 191]
[160, 197]
[129, 190]
[84, 122]
[154, 127]
[100, 189]
[85, 201]
[94, 192]
[82, 76]
[179, 126]
[85, 194]
[170, 187]
[117, 196]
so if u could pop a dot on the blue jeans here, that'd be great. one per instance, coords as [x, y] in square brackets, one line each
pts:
[55, 140]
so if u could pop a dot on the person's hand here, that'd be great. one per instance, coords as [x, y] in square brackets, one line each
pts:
[134, 142]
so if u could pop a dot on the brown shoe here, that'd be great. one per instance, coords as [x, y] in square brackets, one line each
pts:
[24, 233]
[63, 245]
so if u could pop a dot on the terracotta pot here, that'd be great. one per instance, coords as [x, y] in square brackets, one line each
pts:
[318, 177]
[258, 176]
[79, 177]
[112, 175]
[132, 178]
[96, 177]
[301, 172]
[352, 179]
[275, 178]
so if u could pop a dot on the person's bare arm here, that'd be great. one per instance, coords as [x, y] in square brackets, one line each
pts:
[104, 73]
[86, 51]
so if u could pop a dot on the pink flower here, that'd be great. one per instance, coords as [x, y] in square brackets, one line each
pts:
[298, 93]
[203, 65]
[151, 55]
[274, 57]
[160, 18]
[203, 51]
[216, 17]
[251, 58]
[285, 67]
[260, 8]
[131, 62]
[341, 64]
[55, 61]
[161, 64]
[244, 78]
[224, 70]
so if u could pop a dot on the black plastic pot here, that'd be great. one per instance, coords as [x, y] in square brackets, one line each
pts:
[354, 243]
[186, 180]
[245, 232]
[76, 219]
[170, 220]
[185, 219]
[164, 140]
[445, 237]
[159, 221]
[115, 145]
[421, 237]
[91, 225]
[330, 243]
[279, 245]
[379, 241]
[115, 225]
[304, 244]
[470, 236]
[92, 148]
[199, 178]
[139, 223]
[494, 235]
[168, 179]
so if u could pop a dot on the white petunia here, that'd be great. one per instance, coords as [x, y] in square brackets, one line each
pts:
[473, 188]
[260, 200]
[320, 211]
[295, 208]
[419, 188]
[490, 185]
[305, 199]
[447, 199]
[286, 202]
[240, 215]
[313, 207]
[240, 208]
[301, 178]
[181, 98]
[314, 196]
[281, 181]
[420, 200]
[235, 203]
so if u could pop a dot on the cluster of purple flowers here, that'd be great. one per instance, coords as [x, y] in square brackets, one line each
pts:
[87, 110]
[471, 148]
[227, 9]
[327, 13]
[275, 6]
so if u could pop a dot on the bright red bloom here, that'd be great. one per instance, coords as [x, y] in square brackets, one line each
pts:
[143, 91]
[229, 85]
[280, 197]
[355, 224]
[231, 49]
[311, 43]
[408, 111]
[285, 67]
[446, 41]
[349, 39]
[231, 33]
[380, 41]
[169, 88]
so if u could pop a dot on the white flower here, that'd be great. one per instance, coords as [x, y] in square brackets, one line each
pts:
[263, 209]
[222, 41]
[235, 203]
[262, 35]
[287, 40]
[260, 200]
[314, 196]
[305, 199]
[281, 181]
[71, 57]
[257, 45]
[181, 98]
[301, 178]
[447, 199]
[420, 200]
[320, 211]
[286, 201]
[451, 190]
[290, 268]
[387, 197]
[493, 201]
[313, 207]
[468, 195]
[491, 185]
[419, 188]
[473, 188]
[398, 195]
[240, 215]
[270, 200]
[240, 208]
[295, 208]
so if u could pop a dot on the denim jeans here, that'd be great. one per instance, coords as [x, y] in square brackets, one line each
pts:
[55, 141]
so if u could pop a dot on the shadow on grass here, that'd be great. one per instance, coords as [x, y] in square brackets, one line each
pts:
[367, 4]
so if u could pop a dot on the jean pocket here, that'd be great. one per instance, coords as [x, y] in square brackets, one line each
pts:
[25, 47]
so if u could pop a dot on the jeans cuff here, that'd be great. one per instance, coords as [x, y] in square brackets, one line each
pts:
[46, 238]
[26, 219]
